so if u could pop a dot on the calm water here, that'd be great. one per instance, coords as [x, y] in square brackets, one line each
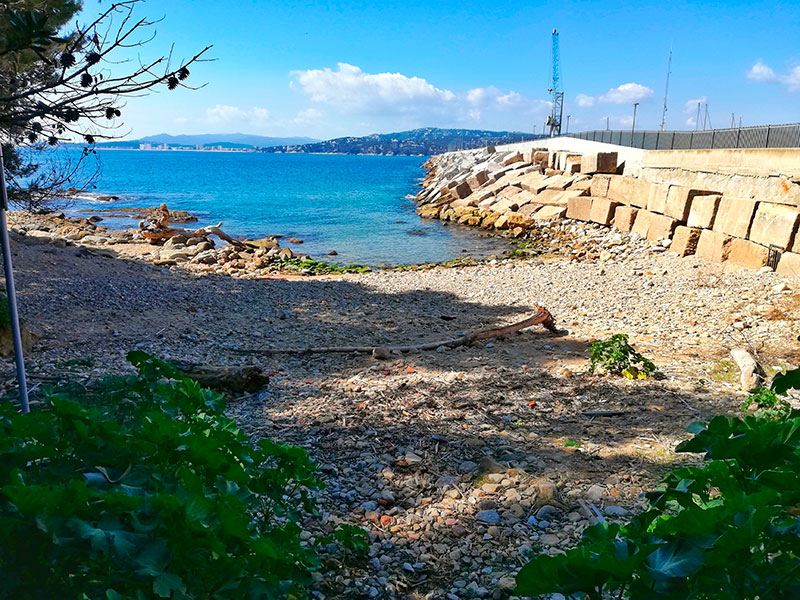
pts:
[354, 205]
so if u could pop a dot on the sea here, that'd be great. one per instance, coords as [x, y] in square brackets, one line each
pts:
[359, 207]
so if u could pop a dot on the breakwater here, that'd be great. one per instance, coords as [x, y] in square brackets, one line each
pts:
[742, 211]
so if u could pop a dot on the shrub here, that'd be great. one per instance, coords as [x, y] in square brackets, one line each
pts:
[727, 529]
[617, 357]
[146, 490]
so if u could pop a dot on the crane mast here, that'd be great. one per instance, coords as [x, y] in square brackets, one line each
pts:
[554, 120]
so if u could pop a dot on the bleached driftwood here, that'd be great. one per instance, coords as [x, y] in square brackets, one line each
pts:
[541, 317]
[158, 229]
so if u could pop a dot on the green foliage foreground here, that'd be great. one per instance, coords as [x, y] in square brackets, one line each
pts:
[729, 529]
[147, 490]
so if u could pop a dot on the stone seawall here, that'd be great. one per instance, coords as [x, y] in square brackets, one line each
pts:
[750, 220]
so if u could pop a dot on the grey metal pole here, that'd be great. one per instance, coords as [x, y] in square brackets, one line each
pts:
[12, 295]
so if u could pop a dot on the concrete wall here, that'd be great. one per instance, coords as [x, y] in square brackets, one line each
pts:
[757, 162]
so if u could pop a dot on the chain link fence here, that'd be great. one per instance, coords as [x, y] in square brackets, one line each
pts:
[763, 136]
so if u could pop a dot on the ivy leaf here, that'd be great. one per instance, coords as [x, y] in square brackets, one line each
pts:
[166, 583]
[783, 382]
[674, 559]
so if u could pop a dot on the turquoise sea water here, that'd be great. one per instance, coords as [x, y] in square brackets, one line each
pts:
[354, 205]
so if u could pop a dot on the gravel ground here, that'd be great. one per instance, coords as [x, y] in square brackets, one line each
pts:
[460, 463]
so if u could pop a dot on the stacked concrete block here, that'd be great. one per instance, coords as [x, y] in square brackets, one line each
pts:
[661, 227]
[462, 190]
[734, 216]
[684, 241]
[550, 213]
[642, 223]
[580, 208]
[657, 198]
[601, 162]
[713, 246]
[703, 211]
[775, 225]
[625, 217]
[478, 179]
[789, 264]
[599, 186]
[514, 158]
[629, 190]
[603, 210]
[748, 254]
[679, 201]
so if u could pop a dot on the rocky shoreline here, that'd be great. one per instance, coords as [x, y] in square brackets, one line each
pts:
[460, 463]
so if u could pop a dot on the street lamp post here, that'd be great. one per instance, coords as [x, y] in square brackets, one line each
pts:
[633, 125]
[568, 116]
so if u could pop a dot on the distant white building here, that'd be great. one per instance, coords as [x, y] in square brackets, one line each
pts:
[145, 146]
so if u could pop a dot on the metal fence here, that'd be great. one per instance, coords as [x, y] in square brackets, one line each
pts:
[764, 136]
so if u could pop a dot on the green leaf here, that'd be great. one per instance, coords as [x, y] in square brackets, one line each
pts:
[674, 559]
[783, 382]
[167, 583]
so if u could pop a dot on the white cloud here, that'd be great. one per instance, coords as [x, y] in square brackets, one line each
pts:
[308, 116]
[765, 73]
[690, 108]
[627, 93]
[223, 113]
[348, 89]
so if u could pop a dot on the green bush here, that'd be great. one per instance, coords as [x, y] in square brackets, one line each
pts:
[729, 529]
[617, 357]
[146, 490]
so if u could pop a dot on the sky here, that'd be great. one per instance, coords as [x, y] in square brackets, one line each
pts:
[331, 69]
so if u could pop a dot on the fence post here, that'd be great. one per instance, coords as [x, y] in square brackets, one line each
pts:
[658, 136]
[691, 140]
[766, 145]
[738, 135]
[672, 143]
[713, 131]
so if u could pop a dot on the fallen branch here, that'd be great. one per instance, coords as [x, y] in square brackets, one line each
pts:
[234, 379]
[541, 317]
[157, 228]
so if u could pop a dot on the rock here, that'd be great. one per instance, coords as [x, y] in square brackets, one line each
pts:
[547, 512]
[491, 517]
[545, 490]
[333, 253]
[548, 539]
[294, 240]
[176, 240]
[596, 493]
[286, 253]
[489, 465]
[615, 511]
[467, 467]
[751, 372]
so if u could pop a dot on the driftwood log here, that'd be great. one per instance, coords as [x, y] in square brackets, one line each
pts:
[231, 379]
[541, 317]
[158, 228]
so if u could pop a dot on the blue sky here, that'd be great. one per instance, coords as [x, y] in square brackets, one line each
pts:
[328, 69]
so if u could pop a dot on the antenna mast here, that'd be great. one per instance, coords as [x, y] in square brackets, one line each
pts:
[554, 120]
[666, 90]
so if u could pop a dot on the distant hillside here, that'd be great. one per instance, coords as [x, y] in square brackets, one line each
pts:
[418, 142]
[225, 140]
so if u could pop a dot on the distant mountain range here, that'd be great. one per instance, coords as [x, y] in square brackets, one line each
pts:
[225, 140]
[418, 142]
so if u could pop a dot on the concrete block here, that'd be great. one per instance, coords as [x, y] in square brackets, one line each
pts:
[679, 201]
[734, 216]
[540, 157]
[629, 190]
[601, 162]
[532, 207]
[580, 208]
[713, 246]
[533, 182]
[514, 158]
[478, 179]
[625, 217]
[661, 227]
[684, 240]
[550, 197]
[789, 264]
[642, 223]
[703, 211]
[603, 210]
[657, 198]
[462, 190]
[748, 254]
[550, 213]
[775, 225]
[599, 186]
